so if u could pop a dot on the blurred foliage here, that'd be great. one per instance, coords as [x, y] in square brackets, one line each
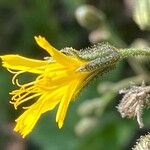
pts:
[20, 21]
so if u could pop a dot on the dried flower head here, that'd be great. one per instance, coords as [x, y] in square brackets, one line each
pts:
[133, 102]
[143, 143]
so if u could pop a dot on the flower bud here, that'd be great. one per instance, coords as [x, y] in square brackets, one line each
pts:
[89, 107]
[89, 17]
[141, 13]
[86, 126]
[99, 35]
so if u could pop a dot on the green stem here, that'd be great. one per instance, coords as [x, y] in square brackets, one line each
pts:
[128, 52]
[117, 40]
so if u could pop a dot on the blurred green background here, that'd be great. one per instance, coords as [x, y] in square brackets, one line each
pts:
[20, 21]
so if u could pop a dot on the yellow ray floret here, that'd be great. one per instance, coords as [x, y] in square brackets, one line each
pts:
[57, 83]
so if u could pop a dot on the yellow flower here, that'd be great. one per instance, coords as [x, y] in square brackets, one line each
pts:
[57, 83]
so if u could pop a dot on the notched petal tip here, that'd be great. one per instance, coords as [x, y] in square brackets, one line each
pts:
[17, 62]
[60, 124]
[23, 135]
[56, 54]
[43, 43]
[39, 39]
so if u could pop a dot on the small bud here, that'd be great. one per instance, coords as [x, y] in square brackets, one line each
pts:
[104, 87]
[99, 35]
[133, 102]
[141, 13]
[86, 126]
[143, 143]
[89, 107]
[89, 17]
[140, 43]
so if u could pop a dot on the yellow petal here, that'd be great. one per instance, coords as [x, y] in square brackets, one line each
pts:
[16, 62]
[29, 118]
[56, 54]
[63, 106]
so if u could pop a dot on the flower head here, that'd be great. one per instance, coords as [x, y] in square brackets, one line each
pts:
[57, 83]
[59, 78]
[143, 143]
[135, 99]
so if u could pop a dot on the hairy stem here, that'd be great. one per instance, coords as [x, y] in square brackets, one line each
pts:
[129, 52]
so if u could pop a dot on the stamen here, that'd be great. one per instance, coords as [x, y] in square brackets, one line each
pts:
[20, 101]
[15, 76]
[11, 71]
[27, 107]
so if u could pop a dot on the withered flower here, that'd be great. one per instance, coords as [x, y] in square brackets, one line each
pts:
[135, 99]
[143, 143]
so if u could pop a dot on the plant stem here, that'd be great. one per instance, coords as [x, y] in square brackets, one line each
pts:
[128, 52]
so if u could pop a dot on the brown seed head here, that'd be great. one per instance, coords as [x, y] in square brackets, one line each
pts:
[134, 101]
